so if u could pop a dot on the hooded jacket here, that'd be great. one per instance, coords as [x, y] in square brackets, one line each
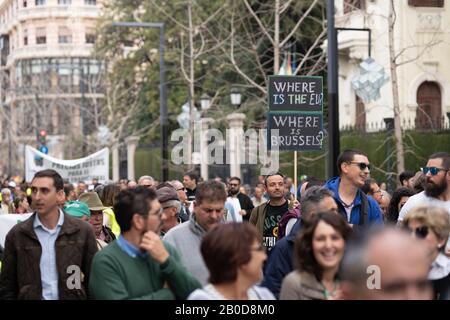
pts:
[374, 215]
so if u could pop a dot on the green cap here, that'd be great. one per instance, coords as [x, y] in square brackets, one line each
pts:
[77, 209]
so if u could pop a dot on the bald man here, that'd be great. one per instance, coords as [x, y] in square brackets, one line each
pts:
[386, 265]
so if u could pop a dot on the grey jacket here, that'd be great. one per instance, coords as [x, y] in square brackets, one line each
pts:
[186, 238]
[301, 286]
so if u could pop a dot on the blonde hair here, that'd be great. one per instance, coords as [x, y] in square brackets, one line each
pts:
[434, 217]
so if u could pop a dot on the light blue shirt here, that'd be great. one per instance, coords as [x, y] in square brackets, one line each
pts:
[49, 273]
[130, 249]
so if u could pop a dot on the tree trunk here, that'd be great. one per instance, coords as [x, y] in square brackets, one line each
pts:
[393, 66]
[191, 85]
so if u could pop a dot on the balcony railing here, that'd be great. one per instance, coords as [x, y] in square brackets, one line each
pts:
[429, 125]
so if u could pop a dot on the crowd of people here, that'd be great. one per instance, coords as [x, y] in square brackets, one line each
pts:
[345, 238]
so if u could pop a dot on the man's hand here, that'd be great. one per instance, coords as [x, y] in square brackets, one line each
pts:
[243, 212]
[153, 244]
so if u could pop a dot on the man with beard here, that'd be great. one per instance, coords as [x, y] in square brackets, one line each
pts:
[437, 186]
[353, 204]
[240, 202]
[186, 237]
[266, 216]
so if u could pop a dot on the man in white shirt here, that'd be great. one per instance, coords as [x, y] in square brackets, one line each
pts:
[437, 187]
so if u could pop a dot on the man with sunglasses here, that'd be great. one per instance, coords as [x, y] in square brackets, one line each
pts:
[353, 203]
[437, 186]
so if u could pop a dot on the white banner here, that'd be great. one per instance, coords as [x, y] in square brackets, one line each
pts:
[8, 221]
[85, 169]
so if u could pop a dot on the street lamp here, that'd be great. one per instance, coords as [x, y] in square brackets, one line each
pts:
[235, 96]
[162, 90]
[205, 101]
[333, 97]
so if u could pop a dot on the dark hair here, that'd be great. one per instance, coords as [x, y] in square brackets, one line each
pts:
[109, 193]
[192, 175]
[367, 187]
[210, 190]
[50, 173]
[271, 175]
[445, 156]
[227, 247]
[68, 188]
[130, 202]
[303, 250]
[19, 198]
[235, 178]
[405, 175]
[392, 212]
[348, 156]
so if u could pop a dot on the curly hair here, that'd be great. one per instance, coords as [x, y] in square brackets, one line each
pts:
[392, 213]
[303, 248]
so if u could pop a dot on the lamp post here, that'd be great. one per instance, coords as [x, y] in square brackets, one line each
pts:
[162, 90]
[205, 101]
[235, 96]
[389, 133]
[333, 97]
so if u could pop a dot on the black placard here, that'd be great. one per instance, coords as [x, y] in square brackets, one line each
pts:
[298, 132]
[295, 93]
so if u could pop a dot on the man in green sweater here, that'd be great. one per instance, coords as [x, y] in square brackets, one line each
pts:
[138, 265]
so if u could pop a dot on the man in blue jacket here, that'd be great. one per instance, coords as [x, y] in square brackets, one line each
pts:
[353, 204]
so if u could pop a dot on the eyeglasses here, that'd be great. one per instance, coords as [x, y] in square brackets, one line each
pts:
[259, 248]
[433, 170]
[362, 166]
[157, 213]
[420, 232]
[397, 286]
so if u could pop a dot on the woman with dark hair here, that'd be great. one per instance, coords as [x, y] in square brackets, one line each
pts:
[21, 203]
[399, 198]
[234, 257]
[319, 249]
[107, 195]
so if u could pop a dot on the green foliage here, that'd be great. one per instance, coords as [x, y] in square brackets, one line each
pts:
[417, 146]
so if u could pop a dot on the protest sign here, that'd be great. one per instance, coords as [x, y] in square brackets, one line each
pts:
[94, 166]
[295, 93]
[8, 221]
[295, 131]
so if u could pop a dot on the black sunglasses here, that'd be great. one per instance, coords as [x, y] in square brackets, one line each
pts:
[420, 232]
[433, 170]
[362, 166]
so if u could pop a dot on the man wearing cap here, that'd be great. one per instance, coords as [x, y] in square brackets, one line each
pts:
[103, 234]
[77, 209]
[171, 205]
[139, 265]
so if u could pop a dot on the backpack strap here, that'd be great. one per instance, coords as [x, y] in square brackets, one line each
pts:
[363, 213]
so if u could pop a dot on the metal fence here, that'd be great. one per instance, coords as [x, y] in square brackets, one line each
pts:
[431, 125]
